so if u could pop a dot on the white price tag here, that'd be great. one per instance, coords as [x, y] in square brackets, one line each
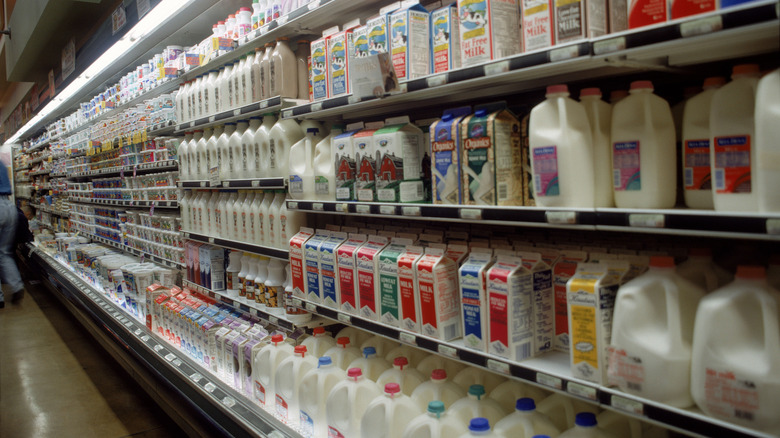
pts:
[499, 367]
[203, 183]
[609, 46]
[561, 217]
[287, 114]
[547, 380]
[210, 387]
[624, 404]
[314, 5]
[158, 347]
[436, 80]
[496, 68]
[145, 338]
[237, 112]
[353, 99]
[229, 401]
[701, 26]
[471, 213]
[170, 356]
[273, 320]
[581, 390]
[311, 307]
[264, 104]
[292, 205]
[255, 183]
[282, 20]
[196, 377]
[411, 211]
[563, 53]
[211, 240]
[363, 209]
[176, 363]
[316, 107]
[253, 311]
[296, 302]
[407, 338]
[346, 319]
[645, 220]
[773, 226]
[226, 184]
[448, 351]
[387, 209]
[137, 332]
[317, 206]
[344, 208]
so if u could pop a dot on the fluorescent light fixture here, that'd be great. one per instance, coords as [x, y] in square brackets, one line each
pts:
[162, 12]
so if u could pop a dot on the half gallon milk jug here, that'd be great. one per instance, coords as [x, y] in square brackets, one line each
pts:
[301, 167]
[312, 396]
[289, 375]
[652, 331]
[403, 374]
[525, 422]
[700, 270]
[347, 402]
[480, 427]
[697, 176]
[732, 155]
[643, 150]
[438, 388]
[767, 147]
[283, 135]
[264, 369]
[343, 353]
[507, 394]
[586, 426]
[473, 376]
[319, 342]
[372, 365]
[434, 424]
[476, 404]
[324, 167]
[387, 416]
[736, 351]
[435, 362]
[561, 151]
[561, 409]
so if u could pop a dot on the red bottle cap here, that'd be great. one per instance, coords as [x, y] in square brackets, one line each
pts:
[662, 262]
[438, 374]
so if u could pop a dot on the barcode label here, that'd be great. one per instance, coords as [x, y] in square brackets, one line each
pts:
[616, 178]
[503, 191]
[688, 176]
[720, 179]
[523, 352]
[537, 182]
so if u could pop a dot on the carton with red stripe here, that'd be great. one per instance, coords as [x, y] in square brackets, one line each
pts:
[367, 258]
[510, 294]
[347, 272]
[409, 312]
[437, 283]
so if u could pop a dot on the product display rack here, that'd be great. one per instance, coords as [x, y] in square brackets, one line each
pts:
[49, 210]
[126, 203]
[272, 105]
[239, 246]
[138, 169]
[134, 251]
[252, 183]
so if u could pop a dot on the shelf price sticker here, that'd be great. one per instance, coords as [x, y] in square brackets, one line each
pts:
[627, 405]
[229, 401]
[210, 387]
[296, 302]
[316, 107]
[318, 206]
[471, 213]
[499, 367]
[548, 380]
[561, 217]
[311, 307]
[580, 390]
[436, 80]
[387, 209]
[609, 45]
[701, 26]
[273, 320]
[411, 211]
[564, 53]
[196, 377]
[346, 319]
[773, 226]
[407, 338]
[314, 5]
[646, 220]
[158, 347]
[363, 209]
[448, 351]
[496, 68]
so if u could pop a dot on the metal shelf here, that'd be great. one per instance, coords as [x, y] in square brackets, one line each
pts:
[39, 172]
[272, 105]
[134, 251]
[253, 183]
[49, 210]
[138, 169]
[239, 246]
[123, 203]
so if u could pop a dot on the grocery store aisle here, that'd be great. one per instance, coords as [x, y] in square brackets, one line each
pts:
[56, 380]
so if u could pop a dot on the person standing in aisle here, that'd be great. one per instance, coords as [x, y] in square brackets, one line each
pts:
[8, 269]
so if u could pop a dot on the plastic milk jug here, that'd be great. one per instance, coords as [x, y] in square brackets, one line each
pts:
[223, 151]
[652, 330]
[250, 150]
[562, 409]
[324, 168]
[560, 142]
[273, 237]
[476, 404]
[620, 425]
[600, 117]
[283, 135]
[508, 393]
[372, 364]
[386, 416]
[262, 141]
[445, 138]
[437, 388]
[231, 165]
[643, 153]
[767, 150]
[477, 376]
[586, 426]
[480, 426]
[415, 355]
[202, 155]
[697, 176]
[289, 375]
[732, 131]
[736, 350]
[381, 344]
[434, 423]
[312, 396]
[436, 362]
[264, 370]
[526, 422]
[347, 402]
[301, 173]
[343, 353]
[699, 269]
[319, 342]
[356, 336]
[184, 157]
[403, 374]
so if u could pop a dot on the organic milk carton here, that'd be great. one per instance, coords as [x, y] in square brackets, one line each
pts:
[328, 264]
[538, 31]
[297, 270]
[344, 158]
[407, 288]
[591, 295]
[387, 269]
[398, 148]
[319, 68]
[491, 160]
[510, 295]
[563, 270]
[542, 301]
[347, 267]
[437, 283]
[578, 19]
[445, 39]
[489, 29]
[368, 288]
[311, 254]
[473, 293]
[365, 162]
[340, 53]
[410, 42]
[445, 135]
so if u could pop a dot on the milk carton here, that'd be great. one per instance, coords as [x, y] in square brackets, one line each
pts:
[575, 20]
[492, 157]
[410, 42]
[328, 266]
[646, 12]
[488, 30]
[368, 288]
[152, 315]
[340, 53]
[437, 283]
[445, 39]
[473, 293]
[591, 294]
[360, 42]
[365, 162]
[212, 261]
[445, 136]
[510, 295]
[319, 69]
[387, 269]
[537, 24]
[407, 288]
[236, 362]
[563, 270]
[398, 148]
[377, 27]
[457, 252]
[344, 158]
[312, 264]
[347, 268]
[297, 270]
[542, 301]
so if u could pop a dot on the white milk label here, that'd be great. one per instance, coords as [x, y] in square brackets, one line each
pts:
[625, 371]
[626, 174]
[545, 165]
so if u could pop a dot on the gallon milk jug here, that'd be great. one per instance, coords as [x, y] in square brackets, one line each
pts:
[382, 344]
[586, 426]
[301, 173]
[643, 150]
[438, 388]
[324, 167]
[476, 404]
[525, 422]
[319, 342]
[289, 375]
[264, 369]
[223, 151]
[507, 394]
[403, 374]
[415, 355]
[262, 140]
[652, 331]
[480, 427]
[561, 409]
[434, 362]
[434, 424]
[700, 270]
[736, 350]
[387, 415]
[347, 402]
[732, 155]
[356, 336]
[600, 118]
[561, 150]
[182, 152]
[767, 148]
[620, 425]
[343, 353]
[312, 396]
[476, 376]
[283, 135]
[697, 176]
[371, 364]
[233, 168]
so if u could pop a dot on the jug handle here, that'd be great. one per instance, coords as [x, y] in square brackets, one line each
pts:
[771, 313]
[673, 313]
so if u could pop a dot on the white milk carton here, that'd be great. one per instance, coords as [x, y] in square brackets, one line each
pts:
[367, 276]
[297, 269]
[407, 288]
[591, 294]
[575, 20]
[365, 162]
[457, 252]
[445, 39]
[446, 155]
[347, 268]
[437, 283]
[344, 162]
[360, 42]
[473, 293]
[510, 295]
[538, 30]
[387, 269]
[311, 253]
[410, 42]
[212, 262]
[319, 68]
[563, 270]
[328, 267]
[398, 148]
[542, 301]
[489, 29]
[377, 27]
[340, 53]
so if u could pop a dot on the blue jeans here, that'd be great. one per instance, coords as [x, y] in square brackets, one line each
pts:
[8, 269]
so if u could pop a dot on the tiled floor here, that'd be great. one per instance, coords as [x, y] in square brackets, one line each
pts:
[57, 381]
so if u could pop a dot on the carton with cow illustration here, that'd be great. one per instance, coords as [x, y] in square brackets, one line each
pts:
[410, 42]
[319, 68]
[489, 29]
[377, 30]
[365, 162]
[445, 39]
[399, 154]
[340, 55]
